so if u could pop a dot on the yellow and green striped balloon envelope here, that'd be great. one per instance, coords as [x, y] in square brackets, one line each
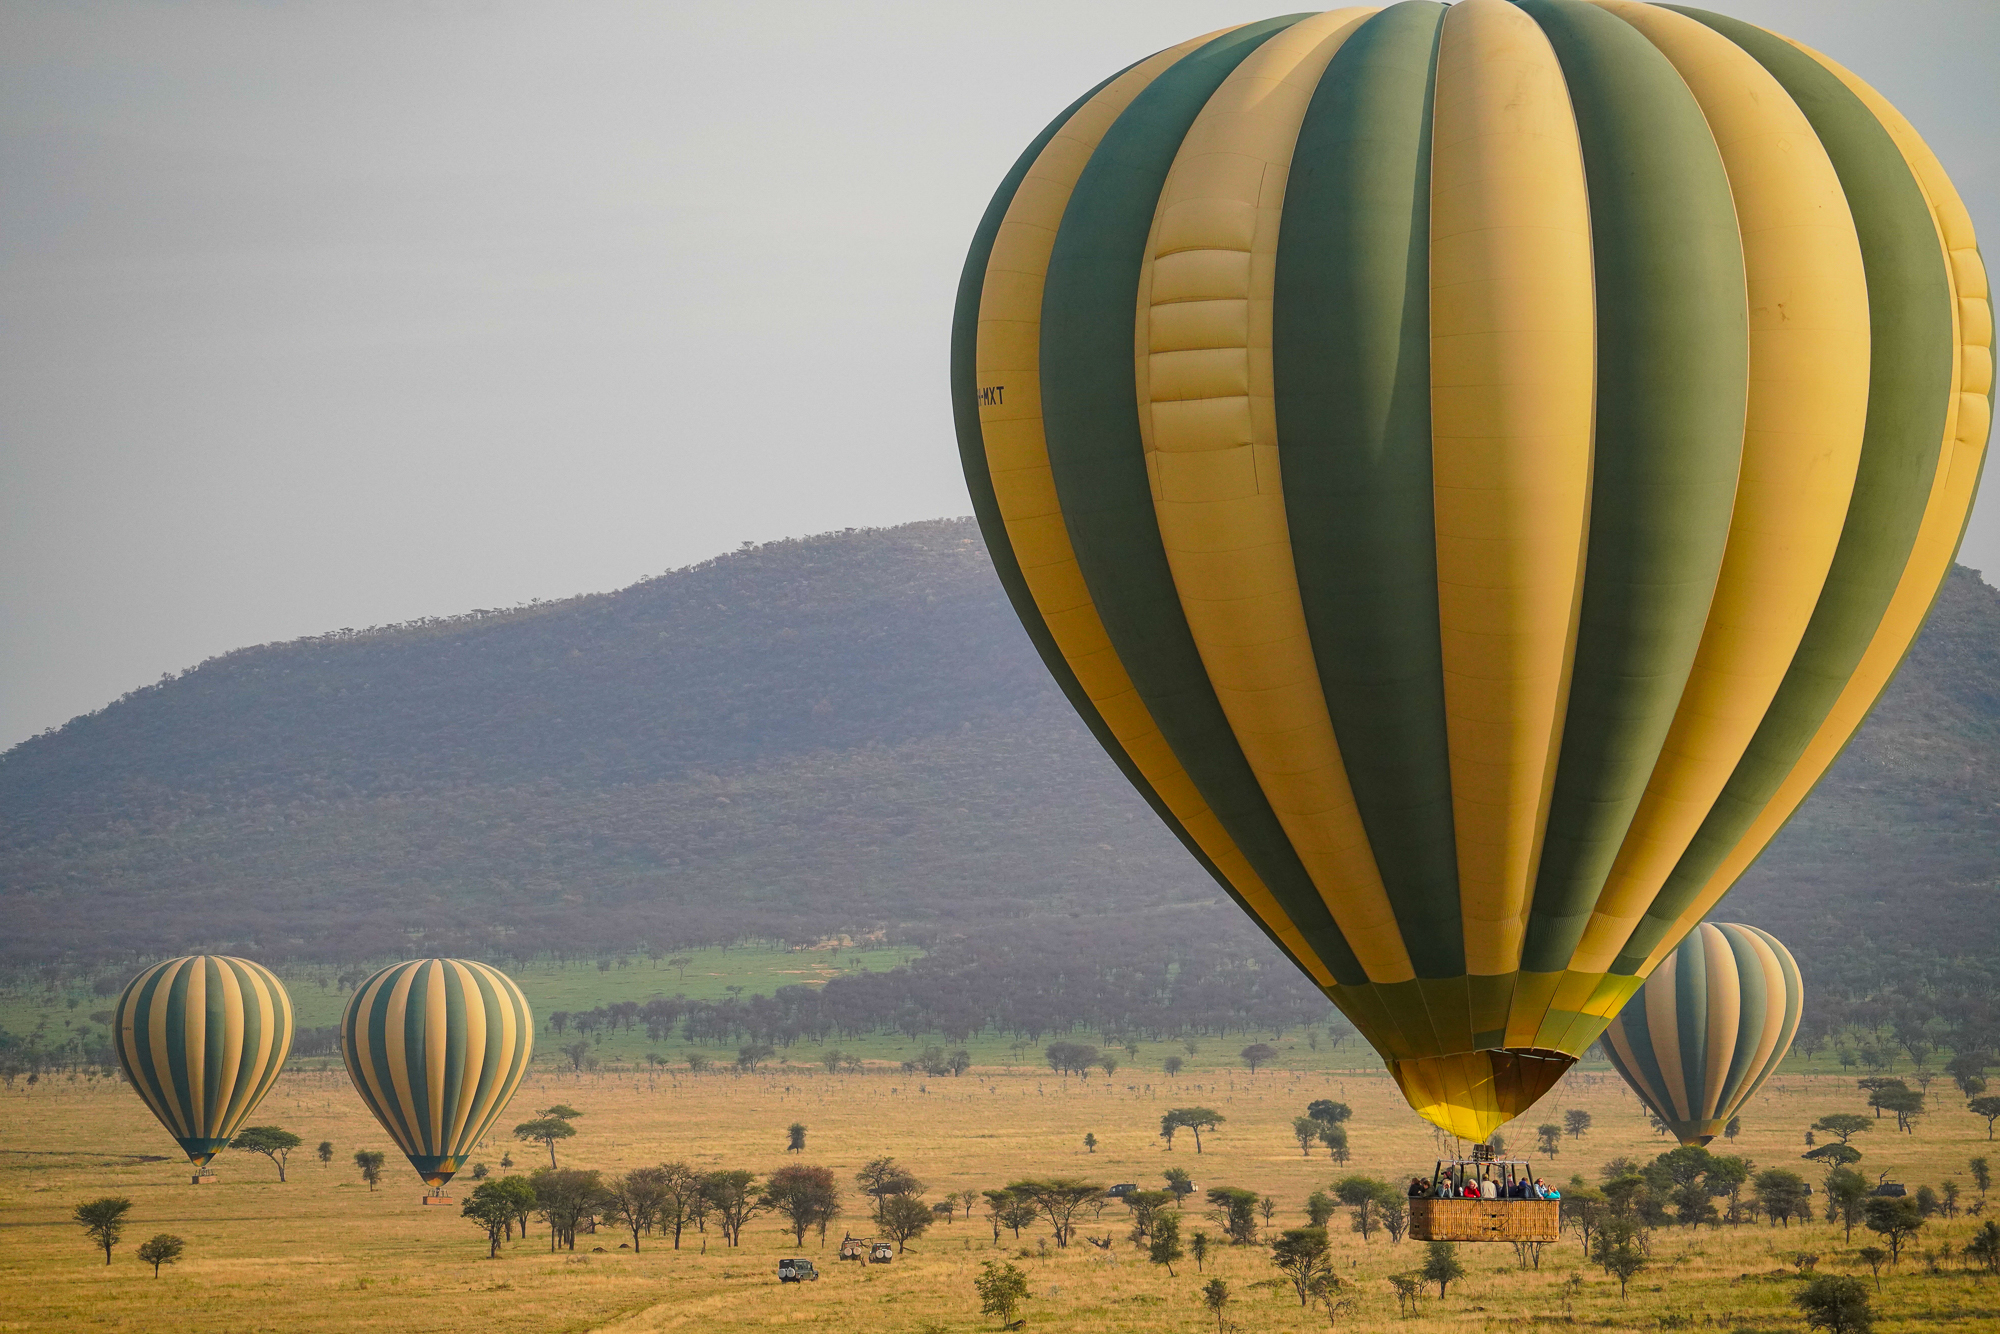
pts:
[1473, 468]
[202, 1039]
[1708, 1028]
[436, 1048]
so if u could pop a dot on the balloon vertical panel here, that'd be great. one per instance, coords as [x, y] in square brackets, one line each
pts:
[202, 1039]
[1471, 468]
[436, 1049]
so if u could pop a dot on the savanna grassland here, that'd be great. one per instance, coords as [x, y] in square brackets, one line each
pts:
[323, 1252]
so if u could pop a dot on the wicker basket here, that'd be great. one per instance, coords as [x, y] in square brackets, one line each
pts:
[1485, 1220]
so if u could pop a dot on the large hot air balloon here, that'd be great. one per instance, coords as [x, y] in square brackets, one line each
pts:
[436, 1047]
[1473, 468]
[1708, 1028]
[202, 1039]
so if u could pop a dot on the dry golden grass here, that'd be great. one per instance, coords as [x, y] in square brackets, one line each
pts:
[322, 1253]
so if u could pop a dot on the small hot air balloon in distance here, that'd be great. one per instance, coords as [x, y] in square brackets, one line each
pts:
[1473, 467]
[436, 1048]
[1708, 1028]
[202, 1039]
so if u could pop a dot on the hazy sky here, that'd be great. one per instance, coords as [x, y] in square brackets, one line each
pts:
[323, 315]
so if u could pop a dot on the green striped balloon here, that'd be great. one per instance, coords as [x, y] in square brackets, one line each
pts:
[1472, 468]
[436, 1048]
[1708, 1028]
[202, 1039]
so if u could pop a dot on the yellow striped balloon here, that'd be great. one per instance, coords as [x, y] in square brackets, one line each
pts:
[436, 1048]
[1473, 468]
[202, 1039]
[1708, 1028]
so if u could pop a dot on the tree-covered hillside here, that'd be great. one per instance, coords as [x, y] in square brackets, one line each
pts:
[840, 733]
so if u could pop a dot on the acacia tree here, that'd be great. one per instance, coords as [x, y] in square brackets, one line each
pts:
[905, 1217]
[1396, 1217]
[1146, 1207]
[1300, 1253]
[1441, 1266]
[1258, 1053]
[1782, 1195]
[881, 1178]
[1618, 1249]
[370, 1161]
[1576, 1123]
[636, 1200]
[1843, 1126]
[491, 1212]
[1166, 1245]
[1585, 1206]
[1235, 1211]
[325, 1152]
[103, 1221]
[1329, 1111]
[519, 1193]
[682, 1185]
[1215, 1296]
[1846, 1198]
[1071, 1058]
[1059, 1198]
[1907, 1103]
[1195, 1119]
[1987, 1106]
[1305, 1130]
[733, 1195]
[545, 1130]
[564, 1197]
[805, 1196]
[795, 1137]
[1896, 1219]
[161, 1249]
[1985, 1246]
[272, 1142]
[1364, 1195]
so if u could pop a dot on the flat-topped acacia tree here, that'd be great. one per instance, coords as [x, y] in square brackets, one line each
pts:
[271, 1141]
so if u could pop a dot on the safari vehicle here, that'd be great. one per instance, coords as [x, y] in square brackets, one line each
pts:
[797, 1271]
[881, 1253]
[1122, 1189]
[854, 1248]
[1446, 1215]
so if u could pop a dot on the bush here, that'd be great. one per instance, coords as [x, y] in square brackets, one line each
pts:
[1837, 1304]
[1002, 1288]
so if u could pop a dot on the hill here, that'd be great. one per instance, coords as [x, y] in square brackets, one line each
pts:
[844, 733]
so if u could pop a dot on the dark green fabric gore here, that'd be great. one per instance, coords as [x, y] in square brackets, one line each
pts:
[1909, 382]
[1091, 414]
[986, 507]
[1351, 350]
[1672, 381]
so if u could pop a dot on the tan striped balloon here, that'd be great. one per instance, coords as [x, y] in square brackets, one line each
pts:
[1708, 1028]
[202, 1039]
[436, 1048]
